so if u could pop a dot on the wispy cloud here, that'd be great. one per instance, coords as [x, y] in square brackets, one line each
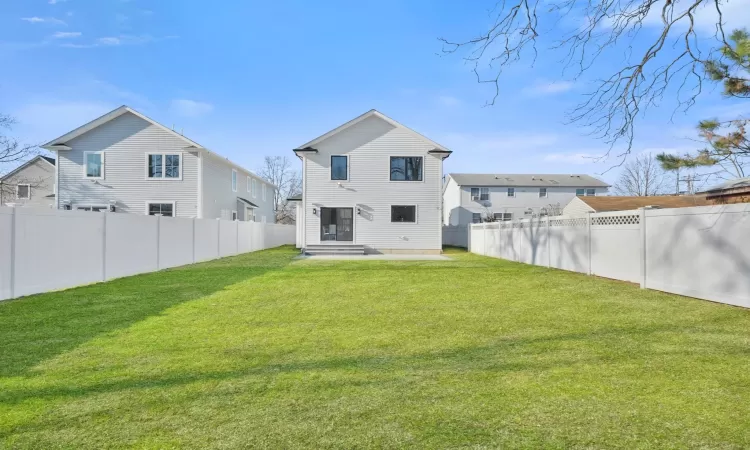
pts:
[49, 20]
[109, 41]
[542, 88]
[66, 34]
[124, 39]
[190, 108]
[54, 2]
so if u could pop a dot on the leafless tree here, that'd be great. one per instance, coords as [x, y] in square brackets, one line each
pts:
[278, 170]
[641, 176]
[12, 153]
[668, 61]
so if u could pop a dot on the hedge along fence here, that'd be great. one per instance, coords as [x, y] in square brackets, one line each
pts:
[45, 249]
[701, 252]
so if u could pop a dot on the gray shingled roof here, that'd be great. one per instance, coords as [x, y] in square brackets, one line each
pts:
[530, 180]
[731, 184]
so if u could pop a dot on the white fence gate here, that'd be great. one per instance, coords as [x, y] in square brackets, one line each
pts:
[701, 252]
[46, 249]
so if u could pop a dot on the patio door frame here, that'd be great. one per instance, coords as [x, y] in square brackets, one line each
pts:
[336, 241]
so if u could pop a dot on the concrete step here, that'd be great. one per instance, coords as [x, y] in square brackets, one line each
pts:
[335, 249]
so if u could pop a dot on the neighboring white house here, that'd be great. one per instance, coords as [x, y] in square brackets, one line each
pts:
[30, 184]
[473, 198]
[583, 205]
[125, 162]
[373, 184]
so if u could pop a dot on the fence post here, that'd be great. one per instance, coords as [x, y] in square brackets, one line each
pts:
[193, 240]
[13, 253]
[642, 226]
[588, 239]
[237, 237]
[549, 244]
[158, 241]
[104, 246]
[218, 238]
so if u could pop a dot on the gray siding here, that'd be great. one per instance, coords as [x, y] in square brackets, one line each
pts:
[219, 200]
[125, 141]
[577, 207]
[369, 146]
[40, 175]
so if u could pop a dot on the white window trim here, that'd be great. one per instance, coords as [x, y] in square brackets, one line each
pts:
[330, 172]
[163, 162]
[390, 212]
[263, 190]
[249, 180]
[249, 213]
[475, 199]
[480, 194]
[28, 189]
[580, 189]
[104, 164]
[546, 193]
[472, 217]
[152, 202]
[590, 195]
[514, 192]
[255, 188]
[234, 180]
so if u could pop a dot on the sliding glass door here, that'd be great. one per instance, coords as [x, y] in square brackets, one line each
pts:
[337, 224]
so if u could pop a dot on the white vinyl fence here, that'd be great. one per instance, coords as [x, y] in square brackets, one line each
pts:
[701, 252]
[46, 249]
[457, 236]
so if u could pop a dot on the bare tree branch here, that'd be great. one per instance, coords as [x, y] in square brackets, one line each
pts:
[278, 170]
[641, 176]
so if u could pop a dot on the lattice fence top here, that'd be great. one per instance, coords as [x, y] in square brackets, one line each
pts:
[622, 219]
[573, 222]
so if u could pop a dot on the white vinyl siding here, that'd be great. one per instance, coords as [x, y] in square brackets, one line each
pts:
[40, 177]
[219, 200]
[124, 141]
[370, 144]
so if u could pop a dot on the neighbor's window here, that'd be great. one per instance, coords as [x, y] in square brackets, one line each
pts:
[403, 213]
[542, 192]
[255, 189]
[580, 191]
[93, 164]
[234, 215]
[339, 169]
[406, 168]
[484, 194]
[248, 184]
[161, 209]
[503, 217]
[234, 180]
[23, 192]
[476, 217]
[474, 194]
[263, 189]
[511, 192]
[590, 192]
[164, 166]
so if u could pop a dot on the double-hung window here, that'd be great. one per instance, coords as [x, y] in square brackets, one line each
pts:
[23, 192]
[542, 192]
[480, 194]
[161, 209]
[167, 166]
[503, 217]
[476, 217]
[581, 192]
[339, 168]
[406, 168]
[234, 180]
[474, 194]
[248, 184]
[263, 190]
[404, 214]
[590, 192]
[93, 165]
[511, 192]
[255, 188]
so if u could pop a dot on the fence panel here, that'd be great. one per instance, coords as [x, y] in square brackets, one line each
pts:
[132, 245]
[457, 236]
[6, 225]
[206, 239]
[701, 252]
[569, 243]
[245, 238]
[533, 248]
[175, 242]
[616, 245]
[57, 249]
[227, 238]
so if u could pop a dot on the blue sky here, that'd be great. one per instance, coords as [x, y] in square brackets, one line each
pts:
[249, 79]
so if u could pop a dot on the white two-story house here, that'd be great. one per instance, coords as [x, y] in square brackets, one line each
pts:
[371, 185]
[474, 197]
[125, 162]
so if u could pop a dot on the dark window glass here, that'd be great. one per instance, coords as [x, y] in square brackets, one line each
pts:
[580, 191]
[476, 218]
[338, 167]
[164, 209]
[23, 191]
[485, 195]
[154, 166]
[172, 166]
[590, 192]
[474, 194]
[403, 213]
[406, 168]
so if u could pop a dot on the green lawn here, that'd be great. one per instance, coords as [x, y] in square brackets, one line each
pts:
[264, 351]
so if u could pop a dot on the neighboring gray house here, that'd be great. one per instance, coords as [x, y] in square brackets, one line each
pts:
[473, 198]
[30, 184]
[371, 185]
[125, 162]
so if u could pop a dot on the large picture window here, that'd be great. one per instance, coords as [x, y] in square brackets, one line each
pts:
[93, 164]
[164, 166]
[406, 168]
[403, 214]
[339, 168]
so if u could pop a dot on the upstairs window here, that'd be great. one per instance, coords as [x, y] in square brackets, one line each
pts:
[234, 180]
[484, 194]
[93, 165]
[590, 192]
[23, 192]
[542, 192]
[403, 214]
[581, 192]
[406, 168]
[248, 184]
[263, 189]
[474, 194]
[164, 166]
[255, 188]
[511, 192]
[339, 168]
